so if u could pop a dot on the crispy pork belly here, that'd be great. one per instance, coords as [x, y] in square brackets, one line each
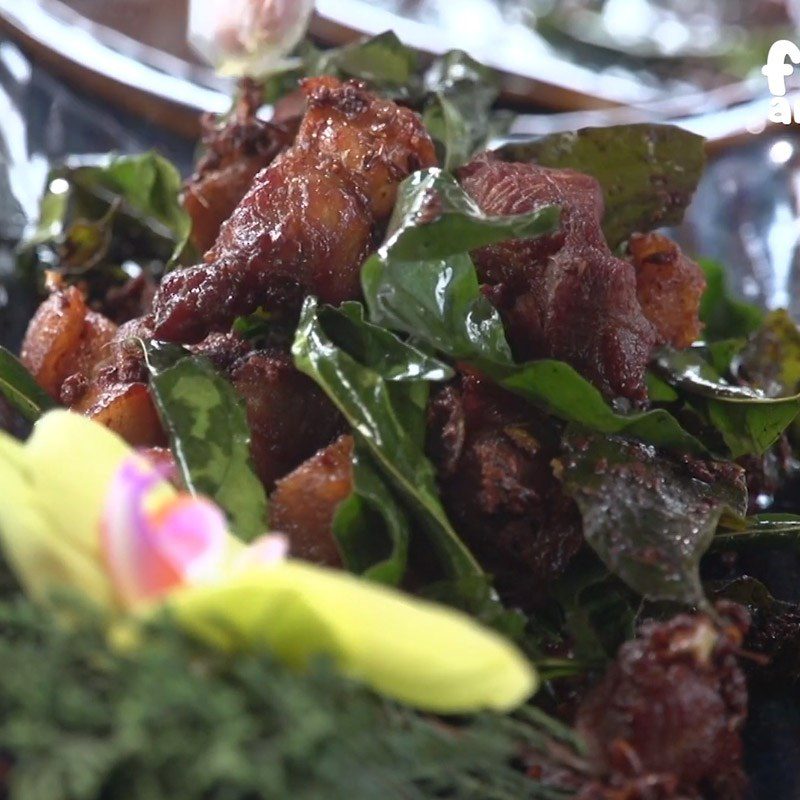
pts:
[669, 287]
[565, 295]
[304, 502]
[309, 220]
[493, 454]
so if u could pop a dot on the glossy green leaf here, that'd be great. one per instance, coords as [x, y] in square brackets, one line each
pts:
[209, 435]
[648, 518]
[389, 417]
[760, 530]
[558, 389]
[97, 212]
[435, 218]
[723, 316]
[423, 283]
[648, 172]
[771, 359]
[383, 61]
[20, 389]
[458, 113]
[750, 422]
[370, 526]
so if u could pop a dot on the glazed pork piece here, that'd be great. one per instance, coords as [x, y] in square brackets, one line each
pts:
[309, 220]
[566, 295]
[665, 721]
[493, 455]
[235, 152]
[289, 416]
[304, 502]
[669, 287]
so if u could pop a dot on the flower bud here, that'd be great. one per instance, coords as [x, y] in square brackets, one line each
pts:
[247, 37]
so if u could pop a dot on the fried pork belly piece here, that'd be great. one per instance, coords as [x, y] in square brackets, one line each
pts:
[116, 393]
[665, 721]
[309, 220]
[64, 338]
[304, 503]
[669, 287]
[290, 417]
[234, 154]
[564, 295]
[493, 455]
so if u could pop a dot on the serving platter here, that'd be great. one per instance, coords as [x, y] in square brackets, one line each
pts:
[106, 48]
[746, 213]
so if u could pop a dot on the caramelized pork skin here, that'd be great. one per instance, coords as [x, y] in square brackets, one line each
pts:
[309, 220]
[235, 152]
[564, 295]
[493, 454]
[290, 417]
[304, 502]
[64, 339]
[669, 287]
[666, 719]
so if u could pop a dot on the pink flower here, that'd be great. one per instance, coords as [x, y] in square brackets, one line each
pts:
[152, 547]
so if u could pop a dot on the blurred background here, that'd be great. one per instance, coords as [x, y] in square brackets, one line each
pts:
[89, 76]
[94, 75]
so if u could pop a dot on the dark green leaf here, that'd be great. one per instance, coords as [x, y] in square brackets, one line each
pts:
[423, 283]
[761, 530]
[20, 389]
[749, 421]
[435, 218]
[475, 596]
[558, 389]
[648, 518]
[209, 435]
[648, 172]
[379, 349]
[383, 61]
[598, 610]
[457, 114]
[771, 359]
[370, 527]
[95, 205]
[389, 416]
[724, 317]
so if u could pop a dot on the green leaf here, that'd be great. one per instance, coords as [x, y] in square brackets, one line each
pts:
[457, 114]
[20, 389]
[383, 61]
[422, 282]
[648, 518]
[599, 613]
[209, 435]
[648, 172]
[97, 212]
[475, 596]
[389, 417]
[558, 389]
[771, 359]
[370, 526]
[761, 530]
[381, 350]
[723, 316]
[435, 218]
[749, 421]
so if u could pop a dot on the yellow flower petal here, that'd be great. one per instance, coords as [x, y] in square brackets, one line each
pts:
[419, 653]
[43, 560]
